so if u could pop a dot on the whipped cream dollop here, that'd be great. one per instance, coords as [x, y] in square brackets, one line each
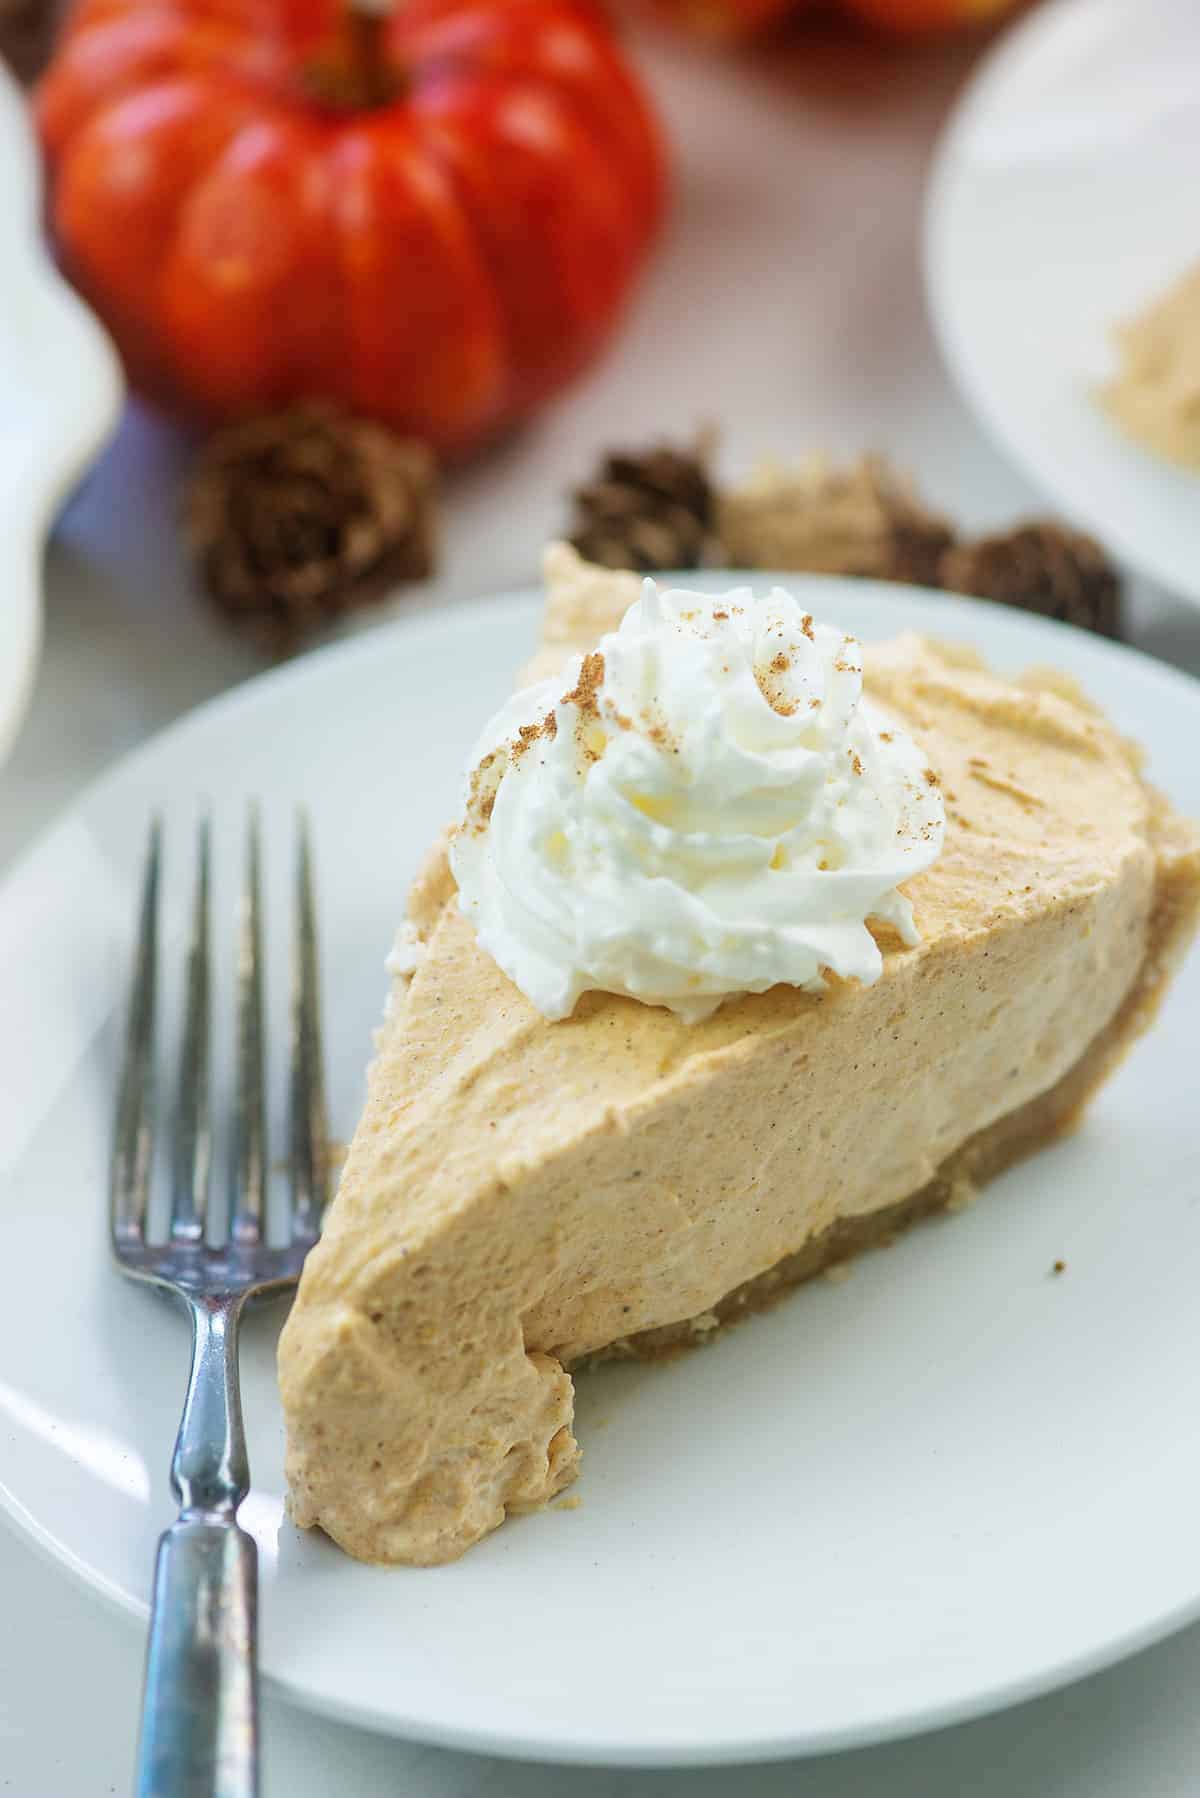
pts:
[706, 805]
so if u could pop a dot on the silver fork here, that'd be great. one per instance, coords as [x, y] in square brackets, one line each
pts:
[199, 1736]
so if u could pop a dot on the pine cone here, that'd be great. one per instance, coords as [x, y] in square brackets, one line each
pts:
[648, 510]
[864, 519]
[1044, 568]
[297, 516]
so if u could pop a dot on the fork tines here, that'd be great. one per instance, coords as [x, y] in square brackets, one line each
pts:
[191, 1157]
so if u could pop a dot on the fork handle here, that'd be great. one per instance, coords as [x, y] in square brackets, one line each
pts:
[200, 1705]
[199, 1712]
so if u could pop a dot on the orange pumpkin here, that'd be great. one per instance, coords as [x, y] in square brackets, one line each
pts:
[432, 219]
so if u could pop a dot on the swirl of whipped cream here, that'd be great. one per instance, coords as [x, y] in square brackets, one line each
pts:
[704, 806]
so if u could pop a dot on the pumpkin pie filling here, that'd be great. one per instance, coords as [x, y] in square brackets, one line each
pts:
[522, 1195]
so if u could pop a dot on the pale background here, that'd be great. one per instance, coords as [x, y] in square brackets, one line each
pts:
[786, 305]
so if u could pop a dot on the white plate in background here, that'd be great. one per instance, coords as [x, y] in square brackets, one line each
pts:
[60, 397]
[1063, 198]
[949, 1483]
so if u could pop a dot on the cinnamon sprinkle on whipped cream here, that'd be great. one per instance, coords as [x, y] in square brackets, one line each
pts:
[704, 805]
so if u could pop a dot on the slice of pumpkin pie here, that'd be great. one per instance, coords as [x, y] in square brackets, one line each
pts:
[741, 956]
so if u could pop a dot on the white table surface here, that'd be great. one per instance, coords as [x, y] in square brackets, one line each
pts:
[786, 304]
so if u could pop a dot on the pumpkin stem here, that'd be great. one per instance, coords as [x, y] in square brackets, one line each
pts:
[356, 75]
[365, 33]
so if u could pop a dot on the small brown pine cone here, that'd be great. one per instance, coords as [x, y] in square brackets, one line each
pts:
[295, 517]
[648, 510]
[1042, 567]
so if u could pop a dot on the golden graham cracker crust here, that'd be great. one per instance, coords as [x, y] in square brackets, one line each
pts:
[521, 1196]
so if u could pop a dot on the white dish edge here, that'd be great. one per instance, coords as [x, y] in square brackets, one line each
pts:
[56, 425]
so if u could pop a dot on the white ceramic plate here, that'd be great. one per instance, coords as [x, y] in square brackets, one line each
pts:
[950, 1482]
[60, 396]
[1063, 198]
